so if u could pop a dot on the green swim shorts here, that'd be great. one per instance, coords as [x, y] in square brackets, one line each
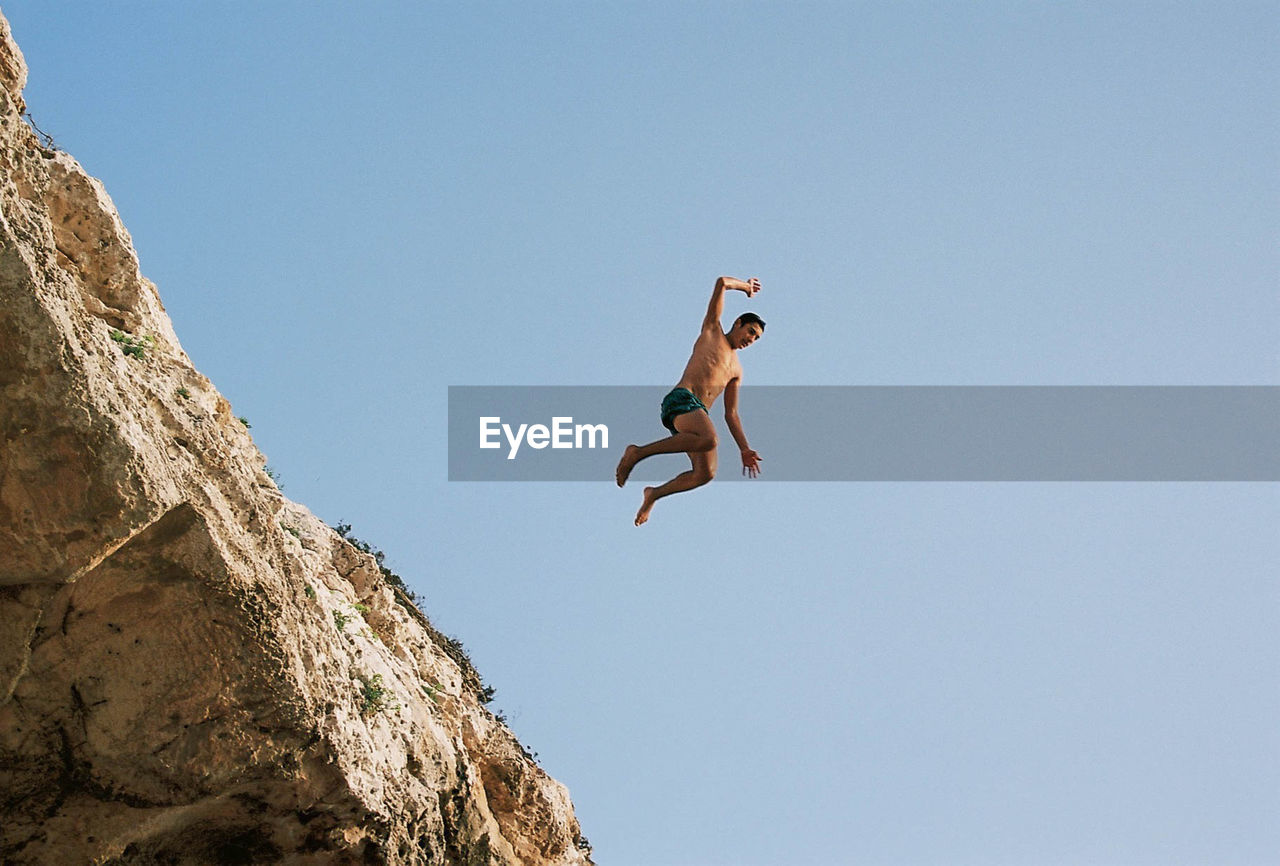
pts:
[678, 402]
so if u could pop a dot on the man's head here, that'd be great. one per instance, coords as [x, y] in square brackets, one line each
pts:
[746, 329]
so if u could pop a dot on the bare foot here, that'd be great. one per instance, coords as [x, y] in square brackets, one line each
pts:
[626, 464]
[643, 514]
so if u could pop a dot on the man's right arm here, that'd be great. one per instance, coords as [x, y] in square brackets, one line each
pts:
[716, 307]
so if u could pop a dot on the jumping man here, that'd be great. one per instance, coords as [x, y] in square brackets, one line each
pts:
[712, 368]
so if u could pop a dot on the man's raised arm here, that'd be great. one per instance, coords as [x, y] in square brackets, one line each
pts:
[716, 307]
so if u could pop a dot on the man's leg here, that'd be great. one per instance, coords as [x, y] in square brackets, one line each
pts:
[694, 433]
[704, 469]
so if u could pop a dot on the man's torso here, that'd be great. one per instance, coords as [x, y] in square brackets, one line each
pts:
[711, 367]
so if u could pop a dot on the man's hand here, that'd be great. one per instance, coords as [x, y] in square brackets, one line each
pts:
[750, 463]
[716, 307]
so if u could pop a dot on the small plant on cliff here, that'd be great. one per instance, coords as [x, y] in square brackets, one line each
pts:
[409, 601]
[183, 393]
[344, 529]
[374, 696]
[456, 651]
[46, 140]
[309, 590]
[134, 347]
[245, 421]
[273, 475]
[340, 619]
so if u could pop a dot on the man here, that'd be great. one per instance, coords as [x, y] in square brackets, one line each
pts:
[713, 368]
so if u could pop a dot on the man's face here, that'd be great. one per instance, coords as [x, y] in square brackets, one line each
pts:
[744, 335]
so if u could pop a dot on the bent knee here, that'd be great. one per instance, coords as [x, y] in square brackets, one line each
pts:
[706, 443]
[704, 474]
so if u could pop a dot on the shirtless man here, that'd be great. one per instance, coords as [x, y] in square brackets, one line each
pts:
[712, 368]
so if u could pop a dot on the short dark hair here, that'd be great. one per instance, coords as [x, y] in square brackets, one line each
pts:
[751, 318]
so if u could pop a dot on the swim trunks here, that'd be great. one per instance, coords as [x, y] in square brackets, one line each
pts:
[678, 402]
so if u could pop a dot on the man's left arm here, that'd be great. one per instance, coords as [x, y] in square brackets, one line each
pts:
[750, 459]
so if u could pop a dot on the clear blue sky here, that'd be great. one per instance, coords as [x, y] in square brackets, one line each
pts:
[350, 207]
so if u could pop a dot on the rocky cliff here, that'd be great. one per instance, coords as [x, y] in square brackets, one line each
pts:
[194, 669]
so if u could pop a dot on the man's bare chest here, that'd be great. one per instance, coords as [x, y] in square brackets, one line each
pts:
[718, 363]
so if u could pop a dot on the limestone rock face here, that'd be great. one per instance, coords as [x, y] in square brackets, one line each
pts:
[194, 669]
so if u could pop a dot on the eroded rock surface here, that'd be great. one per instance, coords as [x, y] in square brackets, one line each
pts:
[194, 669]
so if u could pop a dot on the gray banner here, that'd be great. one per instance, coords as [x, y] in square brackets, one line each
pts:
[917, 433]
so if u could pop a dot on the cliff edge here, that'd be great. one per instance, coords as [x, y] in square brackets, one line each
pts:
[194, 669]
